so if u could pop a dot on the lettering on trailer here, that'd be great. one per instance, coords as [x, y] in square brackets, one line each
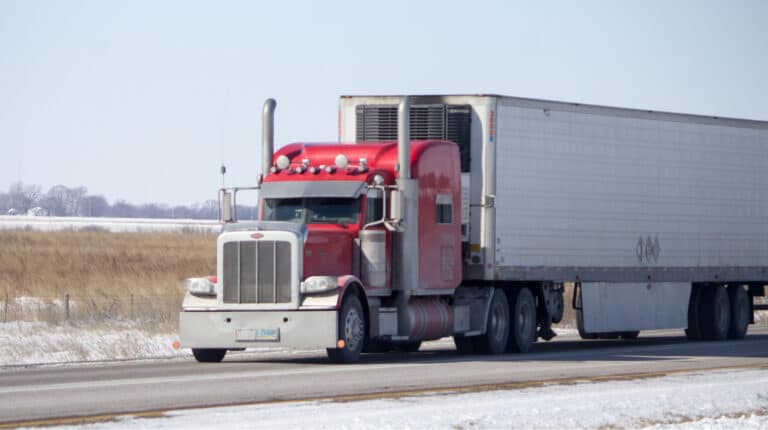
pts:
[648, 250]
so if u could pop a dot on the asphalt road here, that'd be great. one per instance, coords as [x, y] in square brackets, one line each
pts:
[53, 392]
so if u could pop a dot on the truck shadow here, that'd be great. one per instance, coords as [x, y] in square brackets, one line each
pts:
[645, 348]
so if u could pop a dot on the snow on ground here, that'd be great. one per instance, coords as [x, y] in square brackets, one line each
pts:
[716, 400]
[39, 342]
[23, 343]
[122, 225]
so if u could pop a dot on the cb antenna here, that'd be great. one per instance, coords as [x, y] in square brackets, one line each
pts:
[223, 170]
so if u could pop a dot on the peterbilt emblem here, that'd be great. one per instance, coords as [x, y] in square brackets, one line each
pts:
[257, 235]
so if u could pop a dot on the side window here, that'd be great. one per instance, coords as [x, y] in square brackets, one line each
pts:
[444, 209]
[375, 206]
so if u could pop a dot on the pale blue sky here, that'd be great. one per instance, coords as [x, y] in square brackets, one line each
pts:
[142, 100]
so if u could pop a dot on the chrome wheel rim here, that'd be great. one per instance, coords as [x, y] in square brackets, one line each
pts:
[353, 329]
[499, 322]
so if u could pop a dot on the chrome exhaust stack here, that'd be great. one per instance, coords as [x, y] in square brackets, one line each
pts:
[404, 138]
[267, 135]
[407, 210]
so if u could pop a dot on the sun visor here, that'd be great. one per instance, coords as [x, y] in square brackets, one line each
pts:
[293, 189]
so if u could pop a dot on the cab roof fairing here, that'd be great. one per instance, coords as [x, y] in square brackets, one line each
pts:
[381, 158]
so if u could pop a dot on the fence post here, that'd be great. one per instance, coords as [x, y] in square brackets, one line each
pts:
[66, 304]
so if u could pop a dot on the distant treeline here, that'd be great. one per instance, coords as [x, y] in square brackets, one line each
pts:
[60, 200]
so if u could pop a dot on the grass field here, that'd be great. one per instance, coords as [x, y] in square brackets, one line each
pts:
[76, 274]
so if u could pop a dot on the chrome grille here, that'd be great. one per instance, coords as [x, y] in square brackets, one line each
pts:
[257, 272]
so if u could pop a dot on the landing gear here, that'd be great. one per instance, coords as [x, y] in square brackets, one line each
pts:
[351, 332]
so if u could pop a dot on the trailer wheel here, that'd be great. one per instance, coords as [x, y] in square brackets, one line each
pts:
[464, 344]
[740, 309]
[693, 332]
[351, 331]
[715, 313]
[209, 355]
[494, 341]
[522, 331]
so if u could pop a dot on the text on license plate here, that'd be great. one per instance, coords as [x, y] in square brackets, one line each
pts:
[257, 334]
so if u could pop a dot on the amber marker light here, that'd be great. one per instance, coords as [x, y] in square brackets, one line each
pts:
[341, 344]
[176, 344]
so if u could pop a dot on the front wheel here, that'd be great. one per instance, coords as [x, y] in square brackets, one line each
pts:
[209, 355]
[351, 332]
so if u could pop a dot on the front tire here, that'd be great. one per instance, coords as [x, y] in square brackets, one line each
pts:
[522, 331]
[209, 355]
[494, 341]
[351, 331]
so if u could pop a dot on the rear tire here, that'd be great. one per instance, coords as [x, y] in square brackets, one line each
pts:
[693, 332]
[351, 330]
[715, 316]
[740, 310]
[522, 331]
[209, 355]
[494, 341]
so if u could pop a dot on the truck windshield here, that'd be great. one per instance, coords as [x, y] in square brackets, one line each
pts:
[312, 210]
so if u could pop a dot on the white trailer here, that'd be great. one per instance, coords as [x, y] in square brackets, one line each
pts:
[660, 219]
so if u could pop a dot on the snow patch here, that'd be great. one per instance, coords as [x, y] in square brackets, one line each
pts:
[115, 225]
[25, 343]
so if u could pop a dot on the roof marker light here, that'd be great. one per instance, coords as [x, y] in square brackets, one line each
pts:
[283, 162]
[330, 169]
[313, 170]
[341, 161]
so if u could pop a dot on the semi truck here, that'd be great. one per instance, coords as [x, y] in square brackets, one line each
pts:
[465, 215]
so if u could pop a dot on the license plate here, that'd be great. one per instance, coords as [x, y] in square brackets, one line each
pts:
[258, 335]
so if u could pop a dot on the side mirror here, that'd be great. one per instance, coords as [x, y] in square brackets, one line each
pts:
[396, 206]
[225, 206]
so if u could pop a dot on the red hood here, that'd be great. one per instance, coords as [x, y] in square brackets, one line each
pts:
[328, 250]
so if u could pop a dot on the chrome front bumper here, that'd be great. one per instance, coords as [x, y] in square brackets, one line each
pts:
[307, 329]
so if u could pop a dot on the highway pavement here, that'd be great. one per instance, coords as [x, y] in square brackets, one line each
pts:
[54, 394]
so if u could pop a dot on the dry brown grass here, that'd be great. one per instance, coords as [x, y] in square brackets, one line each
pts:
[105, 274]
[97, 263]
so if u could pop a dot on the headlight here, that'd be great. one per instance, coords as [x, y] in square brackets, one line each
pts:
[200, 286]
[318, 284]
